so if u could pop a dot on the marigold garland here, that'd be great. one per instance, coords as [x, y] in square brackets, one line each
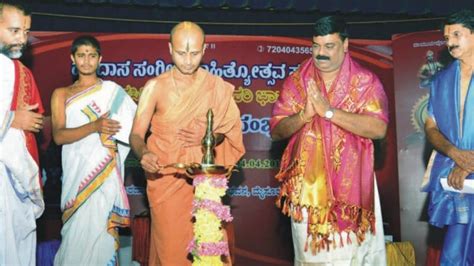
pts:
[209, 244]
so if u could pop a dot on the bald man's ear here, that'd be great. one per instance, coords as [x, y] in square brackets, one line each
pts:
[171, 48]
[204, 46]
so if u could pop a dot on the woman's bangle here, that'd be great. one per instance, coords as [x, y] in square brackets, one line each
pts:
[301, 115]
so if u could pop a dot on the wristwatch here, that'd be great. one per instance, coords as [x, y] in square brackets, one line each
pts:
[329, 114]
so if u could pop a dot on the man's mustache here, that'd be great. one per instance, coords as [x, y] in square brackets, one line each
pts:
[10, 51]
[450, 48]
[322, 57]
[17, 45]
[20, 47]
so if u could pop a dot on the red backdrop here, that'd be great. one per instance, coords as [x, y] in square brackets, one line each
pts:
[412, 68]
[257, 67]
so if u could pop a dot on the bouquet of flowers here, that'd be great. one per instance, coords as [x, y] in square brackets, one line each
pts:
[209, 243]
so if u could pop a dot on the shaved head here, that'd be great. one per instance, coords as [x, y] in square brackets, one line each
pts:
[187, 47]
[187, 29]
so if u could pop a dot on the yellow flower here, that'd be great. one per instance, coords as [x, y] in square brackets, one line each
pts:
[207, 191]
[207, 261]
[207, 227]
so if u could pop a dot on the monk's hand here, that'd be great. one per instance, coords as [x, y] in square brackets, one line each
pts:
[190, 138]
[106, 125]
[319, 102]
[456, 177]
[149, 162]
[25, 118]
[463, 158]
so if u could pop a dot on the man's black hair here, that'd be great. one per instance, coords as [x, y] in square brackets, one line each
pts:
[15, 4]
[464, 17]
[85, 40]
[329, 25]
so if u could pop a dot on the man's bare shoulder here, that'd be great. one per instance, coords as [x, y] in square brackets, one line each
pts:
[155, 84]
[62, 91]
[161, 79]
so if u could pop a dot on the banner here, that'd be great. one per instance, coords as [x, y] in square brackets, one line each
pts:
[257, 66]
[417, 57]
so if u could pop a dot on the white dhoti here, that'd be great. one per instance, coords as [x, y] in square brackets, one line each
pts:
[370, 252]
[17, 224]
[21, 200]
[93, 199]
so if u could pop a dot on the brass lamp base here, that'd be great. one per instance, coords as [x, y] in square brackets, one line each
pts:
[207, 169]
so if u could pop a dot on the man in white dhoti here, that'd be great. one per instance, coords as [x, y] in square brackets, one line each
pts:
[21, 200]
[330, 109]
[91, 119]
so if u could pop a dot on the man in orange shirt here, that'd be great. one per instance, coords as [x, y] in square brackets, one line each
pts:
[174, 106]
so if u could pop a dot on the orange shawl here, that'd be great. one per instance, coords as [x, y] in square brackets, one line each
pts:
[189, 111]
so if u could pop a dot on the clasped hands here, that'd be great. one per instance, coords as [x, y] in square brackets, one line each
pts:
[464, 160]
[316, 103]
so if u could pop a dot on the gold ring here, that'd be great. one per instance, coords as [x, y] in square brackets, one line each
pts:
[36, 126]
